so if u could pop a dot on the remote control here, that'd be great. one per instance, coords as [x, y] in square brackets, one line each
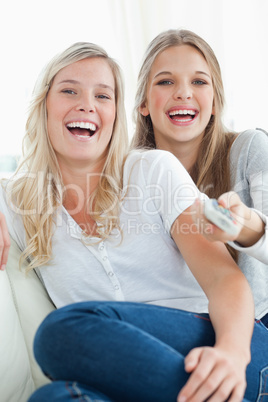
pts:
[220, 216]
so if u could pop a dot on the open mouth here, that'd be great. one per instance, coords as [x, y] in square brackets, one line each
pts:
[82, 129]
[183, 115]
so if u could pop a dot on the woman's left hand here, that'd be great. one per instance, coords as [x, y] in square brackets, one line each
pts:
[217, 375]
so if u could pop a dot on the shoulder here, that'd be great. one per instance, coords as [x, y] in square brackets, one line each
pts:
[149, 155]
[249, 138]
[155, 166]
[249, 143]
[152, 159]
[249, 153]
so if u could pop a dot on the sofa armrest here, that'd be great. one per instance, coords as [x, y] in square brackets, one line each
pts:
[28, 304]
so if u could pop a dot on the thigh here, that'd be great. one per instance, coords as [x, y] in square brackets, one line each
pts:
[181, 330]
[64, 391]
[257, 371]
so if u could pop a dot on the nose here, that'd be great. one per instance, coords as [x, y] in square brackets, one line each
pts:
[183, 91]
[86, 104]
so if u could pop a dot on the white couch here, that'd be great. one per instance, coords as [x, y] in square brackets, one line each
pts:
[24, 303]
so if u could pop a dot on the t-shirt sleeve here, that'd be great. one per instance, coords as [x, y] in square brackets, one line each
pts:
[256, 172]
[166, 182]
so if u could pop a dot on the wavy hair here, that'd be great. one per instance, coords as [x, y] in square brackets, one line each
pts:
[36, 189]
[211, 171]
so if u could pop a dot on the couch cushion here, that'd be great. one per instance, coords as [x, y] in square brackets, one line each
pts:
[15, 371]
[32, 304]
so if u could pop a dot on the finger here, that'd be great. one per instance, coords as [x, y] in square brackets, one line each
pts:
[4, 242]
[217, 386]
[203, 368]
[218, 234]
[5, 256]
[229, 199]
[238, 393]
[2, 265]
[230, 389]
[192, 359]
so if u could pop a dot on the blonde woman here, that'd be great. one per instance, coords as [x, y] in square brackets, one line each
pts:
[114, 245]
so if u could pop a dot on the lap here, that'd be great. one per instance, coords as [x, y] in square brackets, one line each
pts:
[180, 330]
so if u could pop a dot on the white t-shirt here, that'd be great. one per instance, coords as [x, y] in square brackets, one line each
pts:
[147, 265]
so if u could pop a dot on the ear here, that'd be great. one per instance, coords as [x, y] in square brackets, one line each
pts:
[143, 109]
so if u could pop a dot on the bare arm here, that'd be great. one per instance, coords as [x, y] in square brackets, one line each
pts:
[218, 371]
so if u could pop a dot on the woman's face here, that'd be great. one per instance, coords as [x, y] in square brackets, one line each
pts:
[179, 97]
[81, 112]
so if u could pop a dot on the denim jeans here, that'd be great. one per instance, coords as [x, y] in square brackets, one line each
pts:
[130, 352]
[63, 391]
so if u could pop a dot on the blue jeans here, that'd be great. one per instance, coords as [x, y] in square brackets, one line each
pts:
[62, 391]
[130, 352]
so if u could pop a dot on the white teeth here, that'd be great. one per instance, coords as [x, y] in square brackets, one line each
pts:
[175, 112]
[82, 124]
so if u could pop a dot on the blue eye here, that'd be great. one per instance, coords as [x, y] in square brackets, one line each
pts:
[165, 82]
[69, 91]
[103, 96]
[199, 82]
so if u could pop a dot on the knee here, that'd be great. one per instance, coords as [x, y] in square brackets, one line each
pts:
[57, 391]
[44, 393]
[64, 322]
[63, 325]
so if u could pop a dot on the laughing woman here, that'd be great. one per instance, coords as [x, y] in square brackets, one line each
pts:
[179, 106]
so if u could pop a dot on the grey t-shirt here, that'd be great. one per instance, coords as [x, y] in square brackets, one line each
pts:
[249, 178]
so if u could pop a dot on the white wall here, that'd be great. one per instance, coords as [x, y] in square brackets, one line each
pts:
[31, 32]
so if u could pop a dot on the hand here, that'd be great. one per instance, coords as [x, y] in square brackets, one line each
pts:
[216, 376]
[252, 227]
[4, 242]
[212, 232]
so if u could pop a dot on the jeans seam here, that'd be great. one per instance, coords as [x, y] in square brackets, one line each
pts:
[75, 392]
[202, 317]
[263, 385]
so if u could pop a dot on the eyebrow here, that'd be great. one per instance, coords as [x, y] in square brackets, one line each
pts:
[203, 72]
[78, 82]
[169, 73]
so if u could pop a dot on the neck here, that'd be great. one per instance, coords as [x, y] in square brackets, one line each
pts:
[186, 153]
[79, 184]
[186, 157]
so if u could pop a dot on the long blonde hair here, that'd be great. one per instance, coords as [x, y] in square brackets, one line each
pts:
[36, 189]
[211, 170]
